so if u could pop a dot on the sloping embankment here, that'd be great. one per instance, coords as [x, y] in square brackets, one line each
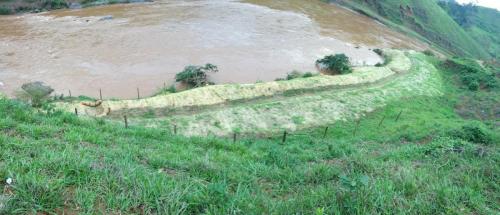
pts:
[309, 109]
[274, 106]
[202, 98]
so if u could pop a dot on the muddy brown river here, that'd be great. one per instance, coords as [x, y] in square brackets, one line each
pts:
[145, 45]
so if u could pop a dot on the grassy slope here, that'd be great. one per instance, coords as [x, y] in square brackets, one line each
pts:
[62, 163]
[427, 19]
[480, 23]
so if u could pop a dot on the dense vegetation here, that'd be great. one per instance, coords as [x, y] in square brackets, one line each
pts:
[481, 23]
[334, 64]
[430, 22]
[415, 156]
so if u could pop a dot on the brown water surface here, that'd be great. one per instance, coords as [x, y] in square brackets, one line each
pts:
[145, 45]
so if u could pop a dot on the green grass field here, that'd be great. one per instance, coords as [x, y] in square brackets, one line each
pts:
[429, 161]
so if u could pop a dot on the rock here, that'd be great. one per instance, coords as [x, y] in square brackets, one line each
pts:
[75, 5]
[104, 18]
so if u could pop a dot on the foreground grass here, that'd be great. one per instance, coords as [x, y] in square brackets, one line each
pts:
[63, 164]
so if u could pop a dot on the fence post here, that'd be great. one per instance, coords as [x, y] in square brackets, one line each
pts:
[76, 111]
[284, 136]
[69, 91]
[234, 137]
[100, 94]
[326, 130]
[175, 129]
[125, 120]
[399, 115]
[138, 95]
[381, 121]
[356, 128]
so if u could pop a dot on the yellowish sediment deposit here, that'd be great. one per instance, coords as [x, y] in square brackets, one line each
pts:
[265, 108]
[220, 94]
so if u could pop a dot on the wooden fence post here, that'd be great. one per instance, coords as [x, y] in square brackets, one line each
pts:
[69, 91]
[399, 115]
[138, 95]
[381, 121]
[125, 120]
[284, 136]
[76, 111]
[234, 137]
[175, 129]
[326, 130]
[356, 128]
[100, 94]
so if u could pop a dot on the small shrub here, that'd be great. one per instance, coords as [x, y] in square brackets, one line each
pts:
[473, 133]
[166, 90]
[379, 52]
[35, 92]
[196, 76]
[428, 53]
[55, 4]
[307, 75]
[296, 74]
[335, 64]
[293, 75]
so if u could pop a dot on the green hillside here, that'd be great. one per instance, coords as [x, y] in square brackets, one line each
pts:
[424, 19]
[482, 24]
[416, 155]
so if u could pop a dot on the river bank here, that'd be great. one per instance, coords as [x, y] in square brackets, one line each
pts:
[27, 6]
[144, 45]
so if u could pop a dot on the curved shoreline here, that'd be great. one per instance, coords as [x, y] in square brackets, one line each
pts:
[230, 93]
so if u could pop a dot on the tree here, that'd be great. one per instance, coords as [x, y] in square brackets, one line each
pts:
[335, 64]
[35, 92]
[196, 76]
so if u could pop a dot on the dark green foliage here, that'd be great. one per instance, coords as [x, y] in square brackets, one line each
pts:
[54, 4]
[472, 75]
[196, 76]
[335, 64]
[429, 53]
[379, 52]
[473, 133]
[296, 74]
[5, 11]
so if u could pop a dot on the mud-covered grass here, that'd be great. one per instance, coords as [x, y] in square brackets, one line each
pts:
[60, 163]
[230, 93]
[317, 108]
